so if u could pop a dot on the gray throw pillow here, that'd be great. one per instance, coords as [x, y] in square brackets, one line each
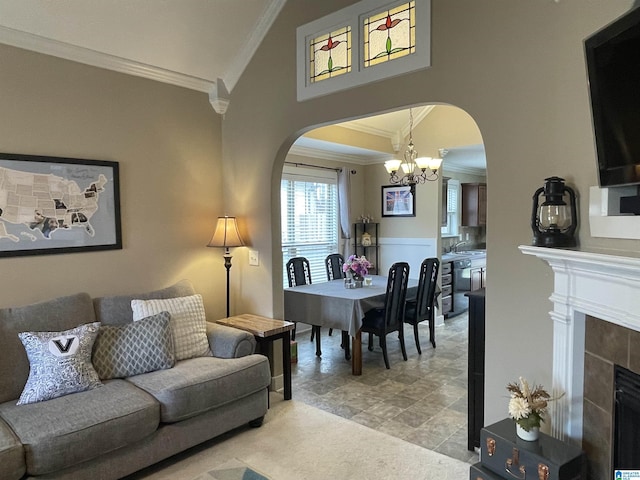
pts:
[59, 363]
[188, 323]
[122, 351]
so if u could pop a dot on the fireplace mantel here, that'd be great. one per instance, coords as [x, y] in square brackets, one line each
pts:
[595, 283]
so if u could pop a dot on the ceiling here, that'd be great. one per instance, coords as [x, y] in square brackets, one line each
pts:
[394, 126]
[203, 45]
[189, 43]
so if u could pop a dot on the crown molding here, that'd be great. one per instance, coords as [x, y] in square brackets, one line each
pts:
[421, 113]
[468, 170]
[338, 157]
[251, 45]
[47, 46]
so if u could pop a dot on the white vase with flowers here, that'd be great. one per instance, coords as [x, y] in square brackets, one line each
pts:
[528, 406]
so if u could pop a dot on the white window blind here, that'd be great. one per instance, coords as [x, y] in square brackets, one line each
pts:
[452, 196]
[453, 208]
[309, 203]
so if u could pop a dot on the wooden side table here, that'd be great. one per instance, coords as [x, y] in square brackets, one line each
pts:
[267, 330]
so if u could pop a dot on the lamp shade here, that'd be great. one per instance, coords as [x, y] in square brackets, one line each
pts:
[226, 234]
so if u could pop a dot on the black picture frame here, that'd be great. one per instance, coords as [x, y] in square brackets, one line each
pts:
[398, 201]
[53, 205]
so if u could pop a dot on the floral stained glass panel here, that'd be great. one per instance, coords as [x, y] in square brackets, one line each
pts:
[330, 55]
[390, 34]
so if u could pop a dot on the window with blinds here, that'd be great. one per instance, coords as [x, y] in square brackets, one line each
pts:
[453, 208]
[309, 203]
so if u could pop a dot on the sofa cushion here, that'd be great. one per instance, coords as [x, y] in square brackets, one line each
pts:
[140, 347]
[75, 428]
[12, 466]
[54, 315]
[116, 310]
[200, 384]
[59, 363]
[188, 323]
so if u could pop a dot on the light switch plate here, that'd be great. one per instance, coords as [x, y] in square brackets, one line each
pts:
[254, 258]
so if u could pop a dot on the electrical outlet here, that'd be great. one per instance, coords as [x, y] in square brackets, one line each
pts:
[254, 258]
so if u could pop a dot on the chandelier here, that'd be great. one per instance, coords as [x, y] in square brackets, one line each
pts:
[415, 169]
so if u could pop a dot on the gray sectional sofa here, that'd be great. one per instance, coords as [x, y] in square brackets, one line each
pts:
[127, 423]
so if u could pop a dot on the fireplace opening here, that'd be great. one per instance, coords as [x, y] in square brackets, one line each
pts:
[626, 421]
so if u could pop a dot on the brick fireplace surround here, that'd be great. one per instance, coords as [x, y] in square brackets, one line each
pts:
[596, 322]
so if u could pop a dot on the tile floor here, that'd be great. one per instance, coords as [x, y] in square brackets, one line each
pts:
[422, 400]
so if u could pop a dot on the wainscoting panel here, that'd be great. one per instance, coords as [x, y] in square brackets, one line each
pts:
[411, 250]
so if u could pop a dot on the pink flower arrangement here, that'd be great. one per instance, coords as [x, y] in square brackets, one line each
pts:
[358, 266]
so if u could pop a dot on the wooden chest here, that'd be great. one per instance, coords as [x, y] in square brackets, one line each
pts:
[548, 458]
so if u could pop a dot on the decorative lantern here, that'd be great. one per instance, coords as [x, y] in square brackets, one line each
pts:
[554, 222]
[366, 239]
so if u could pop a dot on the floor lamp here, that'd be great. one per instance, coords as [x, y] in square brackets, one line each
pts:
[226, 235]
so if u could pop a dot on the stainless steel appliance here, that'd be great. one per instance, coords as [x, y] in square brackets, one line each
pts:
[461, 285]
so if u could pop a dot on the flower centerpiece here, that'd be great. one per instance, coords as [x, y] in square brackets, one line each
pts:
[527, 407]
[358, 267]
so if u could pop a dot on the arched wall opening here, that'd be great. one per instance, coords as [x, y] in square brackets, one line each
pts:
[443, 127]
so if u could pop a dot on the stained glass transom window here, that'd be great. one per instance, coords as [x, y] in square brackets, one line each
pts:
[365, 42]
[389, 34]
[330, 55]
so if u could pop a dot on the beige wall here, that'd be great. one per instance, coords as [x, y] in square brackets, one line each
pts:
[517, 68]
[167, 141]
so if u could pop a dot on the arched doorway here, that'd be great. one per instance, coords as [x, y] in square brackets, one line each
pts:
[448, 128]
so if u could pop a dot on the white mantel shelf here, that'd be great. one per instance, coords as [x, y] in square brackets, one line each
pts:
[602, 284]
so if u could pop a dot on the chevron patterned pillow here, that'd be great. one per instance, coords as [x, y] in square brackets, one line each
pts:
[122, 351]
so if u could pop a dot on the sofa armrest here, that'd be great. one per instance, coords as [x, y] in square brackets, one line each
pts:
[229, 342]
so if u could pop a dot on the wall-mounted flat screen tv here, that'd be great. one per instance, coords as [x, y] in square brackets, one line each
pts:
[613, 67]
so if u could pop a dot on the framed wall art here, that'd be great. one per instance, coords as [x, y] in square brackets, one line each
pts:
[52, 205]
[398, 201]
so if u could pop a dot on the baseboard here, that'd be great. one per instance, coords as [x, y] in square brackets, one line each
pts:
[277, 383]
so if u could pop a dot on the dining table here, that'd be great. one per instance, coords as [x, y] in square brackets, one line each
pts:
[333, 305]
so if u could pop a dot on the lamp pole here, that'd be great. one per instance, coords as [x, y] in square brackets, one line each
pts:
[227, 265]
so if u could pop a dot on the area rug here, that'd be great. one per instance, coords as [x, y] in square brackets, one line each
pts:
[300, 442]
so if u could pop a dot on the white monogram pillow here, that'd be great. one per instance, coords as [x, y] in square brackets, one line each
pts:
[59, 363]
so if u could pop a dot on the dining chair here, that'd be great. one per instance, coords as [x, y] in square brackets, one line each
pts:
[389, 319]
[299, 273]
[333, 264]
[422, 307]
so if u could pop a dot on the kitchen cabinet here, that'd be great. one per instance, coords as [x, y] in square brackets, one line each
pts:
[478, 273]
[370, 247]
[474, 204]
[446, 297]
[478, 277]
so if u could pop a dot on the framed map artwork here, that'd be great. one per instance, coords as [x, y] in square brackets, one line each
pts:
[398, 201]
[54, 205]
